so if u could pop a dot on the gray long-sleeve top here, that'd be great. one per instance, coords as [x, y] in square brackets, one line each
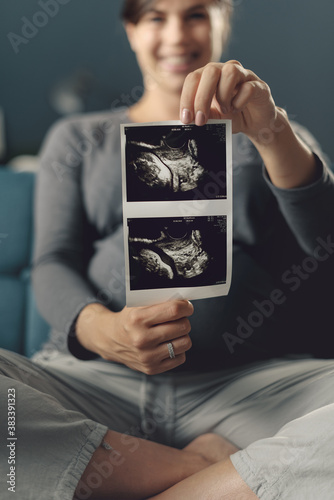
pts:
[283, 248]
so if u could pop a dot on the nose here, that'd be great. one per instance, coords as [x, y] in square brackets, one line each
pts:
[176, 31]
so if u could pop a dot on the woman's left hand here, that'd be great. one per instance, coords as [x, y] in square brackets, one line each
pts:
[228, 90]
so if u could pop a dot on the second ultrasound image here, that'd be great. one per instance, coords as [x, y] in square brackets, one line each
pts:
[177, 252]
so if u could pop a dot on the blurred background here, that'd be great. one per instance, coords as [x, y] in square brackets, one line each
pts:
[65, 56]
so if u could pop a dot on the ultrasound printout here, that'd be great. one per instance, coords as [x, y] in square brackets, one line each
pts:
[177, 210]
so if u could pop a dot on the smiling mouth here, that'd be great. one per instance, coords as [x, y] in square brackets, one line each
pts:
[177, 63]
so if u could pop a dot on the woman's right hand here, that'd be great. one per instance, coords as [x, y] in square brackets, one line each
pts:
[137, 336]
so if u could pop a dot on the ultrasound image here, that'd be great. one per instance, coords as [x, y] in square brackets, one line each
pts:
[173, 163]
[183, 252]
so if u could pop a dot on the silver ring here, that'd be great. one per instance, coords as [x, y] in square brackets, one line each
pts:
[171, 350]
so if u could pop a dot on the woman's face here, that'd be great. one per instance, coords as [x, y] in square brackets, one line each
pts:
[174, 38]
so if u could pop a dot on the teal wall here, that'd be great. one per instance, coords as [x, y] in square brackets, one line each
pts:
[288, 43]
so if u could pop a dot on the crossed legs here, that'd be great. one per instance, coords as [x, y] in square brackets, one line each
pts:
[294, 461]
[135, 469]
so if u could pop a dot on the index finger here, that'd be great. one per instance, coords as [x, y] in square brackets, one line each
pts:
[198, 91]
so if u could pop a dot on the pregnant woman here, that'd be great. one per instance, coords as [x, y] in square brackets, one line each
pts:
[226, 398]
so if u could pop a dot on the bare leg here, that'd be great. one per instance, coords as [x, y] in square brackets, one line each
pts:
[213, 447]
[126, 467]
[218, 482]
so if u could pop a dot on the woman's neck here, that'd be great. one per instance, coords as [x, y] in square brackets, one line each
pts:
[156, 106]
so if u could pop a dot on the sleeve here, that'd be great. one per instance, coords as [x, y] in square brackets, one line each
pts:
[309, 210]
[58, 265]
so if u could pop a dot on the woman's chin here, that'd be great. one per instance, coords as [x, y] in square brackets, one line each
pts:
[173, 80]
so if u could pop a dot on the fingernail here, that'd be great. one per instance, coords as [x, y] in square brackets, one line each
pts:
[186, 116]
[200, 118]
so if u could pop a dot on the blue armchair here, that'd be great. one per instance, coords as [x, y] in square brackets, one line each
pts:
[22, 329]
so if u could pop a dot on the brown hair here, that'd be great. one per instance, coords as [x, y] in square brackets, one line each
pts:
[133, 10]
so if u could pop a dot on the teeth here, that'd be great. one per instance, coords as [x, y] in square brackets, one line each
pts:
[177, 60]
